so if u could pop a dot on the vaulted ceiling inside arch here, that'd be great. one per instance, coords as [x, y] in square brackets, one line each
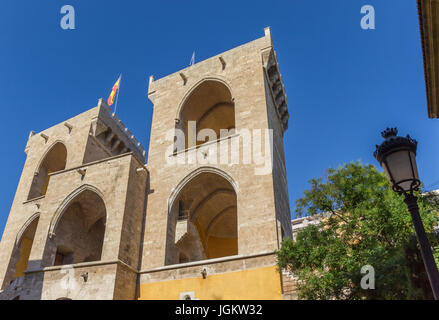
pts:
[211, 106]
[204, 97]
[87, 207]
[55, 159]
[211, 202]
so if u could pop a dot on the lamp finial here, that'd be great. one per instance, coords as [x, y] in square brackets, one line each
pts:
[389, 132]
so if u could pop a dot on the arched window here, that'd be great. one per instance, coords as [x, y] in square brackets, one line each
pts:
[21, 252]
[211, 229]
[209, 106]
[54, 160]
[79, 234]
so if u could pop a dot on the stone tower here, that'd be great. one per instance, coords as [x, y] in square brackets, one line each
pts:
[74, 230]
[201, 220]
[217, 209]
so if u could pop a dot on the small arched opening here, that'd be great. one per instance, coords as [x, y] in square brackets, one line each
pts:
[54, 160]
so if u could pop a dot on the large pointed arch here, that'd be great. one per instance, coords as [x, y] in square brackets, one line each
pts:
[210, 105]
[217, 78]
[19, 258]
[50, 149]
[25, 226]
[196, 172]
[77, 229]
[67, 201]
[54, 159]
[202, 217]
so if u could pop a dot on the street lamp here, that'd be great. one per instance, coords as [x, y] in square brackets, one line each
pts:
[397, 156]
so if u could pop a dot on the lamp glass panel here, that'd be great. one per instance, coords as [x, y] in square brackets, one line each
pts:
[400, 168]
[386, 170]
[415, 166]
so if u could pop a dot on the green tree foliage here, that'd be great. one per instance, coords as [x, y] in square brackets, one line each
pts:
[363, 222]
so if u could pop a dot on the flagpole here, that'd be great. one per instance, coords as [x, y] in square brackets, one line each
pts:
[192, 59]
[117, 96]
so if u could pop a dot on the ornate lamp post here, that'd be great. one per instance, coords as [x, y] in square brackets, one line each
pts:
[397, 156]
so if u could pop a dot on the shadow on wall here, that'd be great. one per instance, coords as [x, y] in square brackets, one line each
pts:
[26, 287]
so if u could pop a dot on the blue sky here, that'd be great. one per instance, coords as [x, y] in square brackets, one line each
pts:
[344, 84]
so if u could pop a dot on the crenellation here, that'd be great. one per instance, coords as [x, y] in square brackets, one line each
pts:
[119, 130]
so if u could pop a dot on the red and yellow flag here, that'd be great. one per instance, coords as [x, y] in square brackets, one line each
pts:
[113, 92]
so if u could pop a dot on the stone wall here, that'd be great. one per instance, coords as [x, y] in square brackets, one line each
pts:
[242, 71]
[119, 181]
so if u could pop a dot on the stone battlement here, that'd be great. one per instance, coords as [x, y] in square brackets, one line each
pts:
[108, 127]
